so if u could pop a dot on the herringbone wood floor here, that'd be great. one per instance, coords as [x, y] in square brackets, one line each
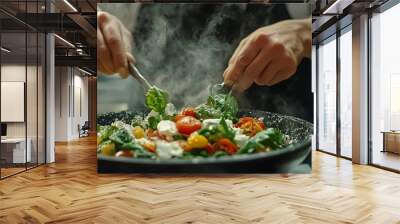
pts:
[70, 191]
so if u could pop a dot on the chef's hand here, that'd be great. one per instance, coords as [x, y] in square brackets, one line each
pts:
[113, 45]
[270, 54]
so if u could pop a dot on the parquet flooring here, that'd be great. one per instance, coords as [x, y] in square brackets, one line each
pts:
[71, 191]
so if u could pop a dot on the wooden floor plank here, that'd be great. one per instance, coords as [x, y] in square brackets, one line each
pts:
[71, 191]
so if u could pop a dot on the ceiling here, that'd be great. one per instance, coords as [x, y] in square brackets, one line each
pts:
[72, 20]
[331, 15]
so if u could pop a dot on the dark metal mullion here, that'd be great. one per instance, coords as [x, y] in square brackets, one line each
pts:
[317, 97]
[26, 86]
[37, 90]
[45, 90]
[338, 98]
[369, 100]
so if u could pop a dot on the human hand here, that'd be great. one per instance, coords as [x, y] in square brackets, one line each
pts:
[269, 55]
[113, 45]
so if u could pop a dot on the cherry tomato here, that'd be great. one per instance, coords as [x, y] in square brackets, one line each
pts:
[108, 149]
[152, 133]
[185, 146]
[226, 145]
[150, 146]
[189, 111]
[138, 132]
[188, 125]
[197, 141]
[124, 153]
[179, 116]
[250, 125]
[261, 123]
[243, 120]
[210, 149]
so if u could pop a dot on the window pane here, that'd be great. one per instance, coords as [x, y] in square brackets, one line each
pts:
[345, 94]
[327, 96]
[385, 84]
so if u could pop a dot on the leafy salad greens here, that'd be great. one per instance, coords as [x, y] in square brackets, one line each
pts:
[212, 129]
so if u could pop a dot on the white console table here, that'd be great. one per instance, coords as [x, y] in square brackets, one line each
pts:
[18, 150]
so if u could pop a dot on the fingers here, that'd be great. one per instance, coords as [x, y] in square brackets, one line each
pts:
[268, 74]
[114, 41]
[238, 49]
[131, 59]
[244, 57]
[103, 55]
[112, 35]
[280, 69]
[255, 68]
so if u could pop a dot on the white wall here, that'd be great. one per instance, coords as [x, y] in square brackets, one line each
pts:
[70, 83]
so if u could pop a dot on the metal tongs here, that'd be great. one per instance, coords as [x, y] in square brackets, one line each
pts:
[223, 88]
[134, 72]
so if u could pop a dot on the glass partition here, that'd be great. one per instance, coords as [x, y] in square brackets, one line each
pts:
[22, 89]
[327, 95]
[13, 110]
[346, 92]
[385, 89]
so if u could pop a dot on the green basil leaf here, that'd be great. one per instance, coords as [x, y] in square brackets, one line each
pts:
[156, 99]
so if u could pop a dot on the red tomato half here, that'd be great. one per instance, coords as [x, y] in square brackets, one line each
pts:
[250, 125]
[226, 145]
[188, 125]
[210, 149]
[189, 111]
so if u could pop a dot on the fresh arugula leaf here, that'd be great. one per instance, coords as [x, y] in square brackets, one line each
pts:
[215, 132]
[220, 154]
[143, 153]
[230, 108]
[156, 99]
[106, 131]
[205, 111]
[179, 137]
[199, 153]
[271, 138]
[153, 122]
[187, 155]
[217, 106]
[131, 146]
[138, 150]
[212, 133]
[121, 136]
[226, 130]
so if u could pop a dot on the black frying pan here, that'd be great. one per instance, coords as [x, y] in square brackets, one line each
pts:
[280, 161]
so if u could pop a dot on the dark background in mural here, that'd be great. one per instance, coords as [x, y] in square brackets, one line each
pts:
[183, 48]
